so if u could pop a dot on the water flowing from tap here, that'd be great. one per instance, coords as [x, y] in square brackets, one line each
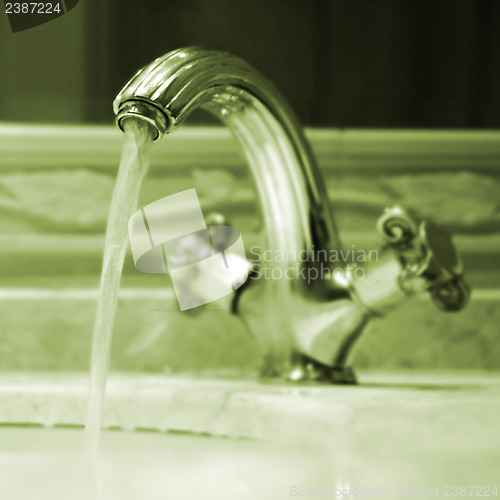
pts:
[133, 168]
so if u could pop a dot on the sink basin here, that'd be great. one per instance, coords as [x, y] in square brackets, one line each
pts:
[188, 437]
[47, 464]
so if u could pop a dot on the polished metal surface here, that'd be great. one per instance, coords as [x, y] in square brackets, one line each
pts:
[305, 328]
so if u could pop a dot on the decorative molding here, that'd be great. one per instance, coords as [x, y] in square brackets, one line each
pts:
[45, 146]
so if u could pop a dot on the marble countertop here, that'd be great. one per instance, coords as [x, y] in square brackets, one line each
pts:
[440, 426]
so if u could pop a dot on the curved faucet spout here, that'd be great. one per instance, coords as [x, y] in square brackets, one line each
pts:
[294, 201]
[295, 208]
[315, 321]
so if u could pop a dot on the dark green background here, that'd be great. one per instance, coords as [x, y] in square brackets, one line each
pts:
[341, 63]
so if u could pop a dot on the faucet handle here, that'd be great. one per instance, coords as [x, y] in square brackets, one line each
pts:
[428, 256]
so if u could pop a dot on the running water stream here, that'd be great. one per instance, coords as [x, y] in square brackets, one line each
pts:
[133, 168]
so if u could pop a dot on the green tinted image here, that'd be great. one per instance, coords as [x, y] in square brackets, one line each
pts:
[249, 250]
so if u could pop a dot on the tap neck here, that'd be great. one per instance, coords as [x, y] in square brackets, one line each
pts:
[294, 203]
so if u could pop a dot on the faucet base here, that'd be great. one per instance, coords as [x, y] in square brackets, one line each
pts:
[306, 369]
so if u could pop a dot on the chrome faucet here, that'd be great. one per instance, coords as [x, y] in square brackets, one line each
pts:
[305, 316]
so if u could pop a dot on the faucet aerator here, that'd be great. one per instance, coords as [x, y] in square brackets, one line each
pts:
[146, 112]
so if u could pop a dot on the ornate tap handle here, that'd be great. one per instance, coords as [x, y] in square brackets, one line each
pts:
[428, 257]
